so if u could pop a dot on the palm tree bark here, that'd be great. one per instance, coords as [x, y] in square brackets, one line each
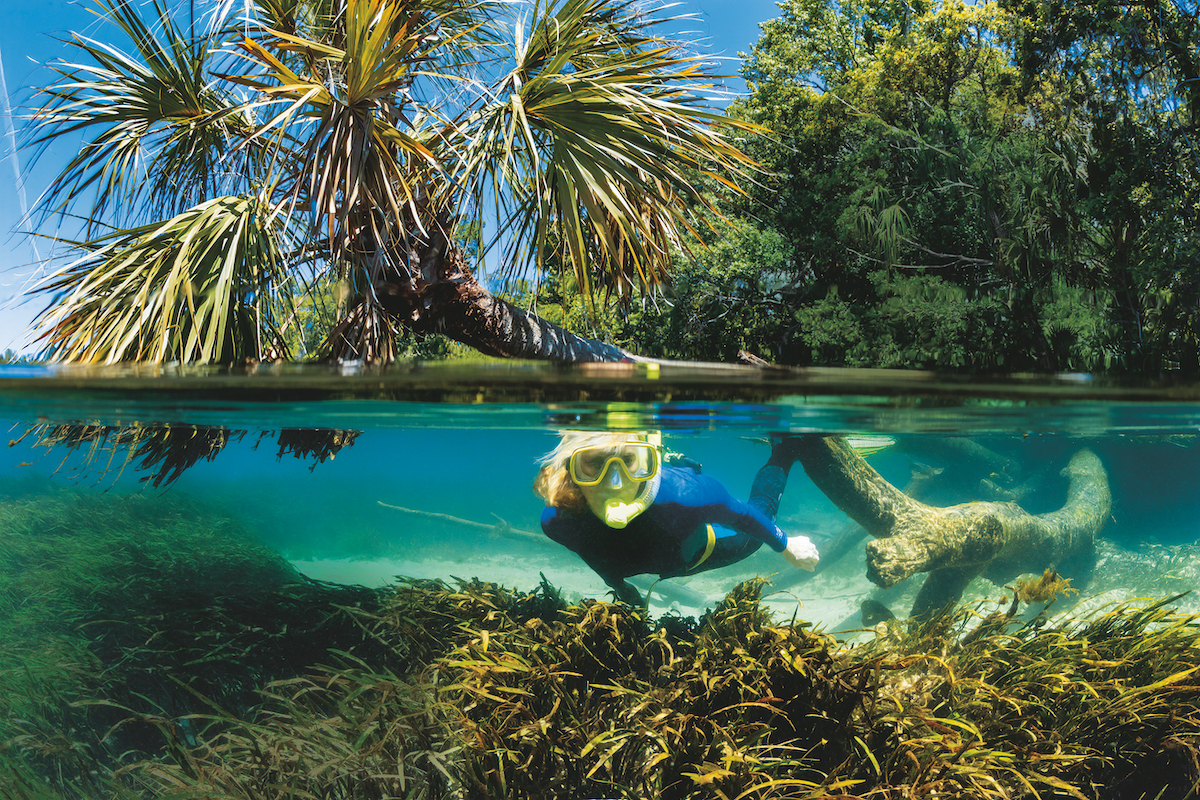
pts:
[958, 542]
[468, 313]
[440, 294]
[471, 315]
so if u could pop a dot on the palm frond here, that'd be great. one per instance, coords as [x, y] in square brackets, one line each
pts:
[599, 145]
[191, 289]
[158, 131]
[353, 155]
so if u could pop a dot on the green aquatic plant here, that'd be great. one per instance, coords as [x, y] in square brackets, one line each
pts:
[473, 690]
[116, 613]
[1044, 589]
[597, 701]
[1096, 708]
[524, 697]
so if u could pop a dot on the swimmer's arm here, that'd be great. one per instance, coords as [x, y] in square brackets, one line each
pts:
[625, 591]
[727, 510]
[742, 516]
[559, 528]
[563, 532]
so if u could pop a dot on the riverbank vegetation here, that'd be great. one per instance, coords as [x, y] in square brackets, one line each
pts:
[995, 186]
[1002, 186]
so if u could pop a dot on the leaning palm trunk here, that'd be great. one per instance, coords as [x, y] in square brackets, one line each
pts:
[468, 313]
[456, 305]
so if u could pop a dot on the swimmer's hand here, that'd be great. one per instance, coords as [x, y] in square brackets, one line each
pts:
[802, 553]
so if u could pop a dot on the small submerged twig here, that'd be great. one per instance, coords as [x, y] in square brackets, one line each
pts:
[501, 528]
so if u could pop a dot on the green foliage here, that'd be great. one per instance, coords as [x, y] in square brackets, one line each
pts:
[728, 296]
[731, 294]
[310, 314]
[1026, 167]
[919, 320]
[1018, 173]
[309, 317]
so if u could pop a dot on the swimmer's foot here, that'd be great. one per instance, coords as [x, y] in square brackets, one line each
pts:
[785, 446]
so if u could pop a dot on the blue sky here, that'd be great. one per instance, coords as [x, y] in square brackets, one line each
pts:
[28, 41]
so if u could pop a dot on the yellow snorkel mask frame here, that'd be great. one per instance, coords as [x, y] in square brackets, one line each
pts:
[638, 461]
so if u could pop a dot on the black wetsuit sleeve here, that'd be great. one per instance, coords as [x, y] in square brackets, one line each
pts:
[559, 528]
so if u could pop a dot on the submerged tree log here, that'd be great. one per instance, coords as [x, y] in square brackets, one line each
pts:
[847, 538]
[912, 537]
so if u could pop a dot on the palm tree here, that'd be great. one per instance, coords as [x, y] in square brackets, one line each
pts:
[231, 166]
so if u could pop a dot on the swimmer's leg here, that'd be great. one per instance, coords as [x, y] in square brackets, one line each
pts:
[626, 592]
[771, 479]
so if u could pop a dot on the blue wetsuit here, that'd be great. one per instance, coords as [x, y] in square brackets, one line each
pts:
[685, 503]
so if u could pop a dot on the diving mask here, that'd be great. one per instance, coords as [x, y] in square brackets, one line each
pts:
[637, 460]
[616, 479]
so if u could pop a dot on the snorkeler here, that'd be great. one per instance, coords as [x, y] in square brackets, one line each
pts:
[610, 499]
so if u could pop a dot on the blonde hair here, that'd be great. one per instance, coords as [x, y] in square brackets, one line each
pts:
[553, 483]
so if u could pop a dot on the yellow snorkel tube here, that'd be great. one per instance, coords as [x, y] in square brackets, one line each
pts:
[618, 513]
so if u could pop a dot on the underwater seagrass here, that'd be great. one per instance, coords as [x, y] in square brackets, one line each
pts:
[121, 614]
[497, 693]
[150, 648]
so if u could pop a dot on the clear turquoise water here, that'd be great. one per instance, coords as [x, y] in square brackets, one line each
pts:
[462, 442]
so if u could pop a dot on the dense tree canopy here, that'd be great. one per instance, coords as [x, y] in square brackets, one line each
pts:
[995, 186]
